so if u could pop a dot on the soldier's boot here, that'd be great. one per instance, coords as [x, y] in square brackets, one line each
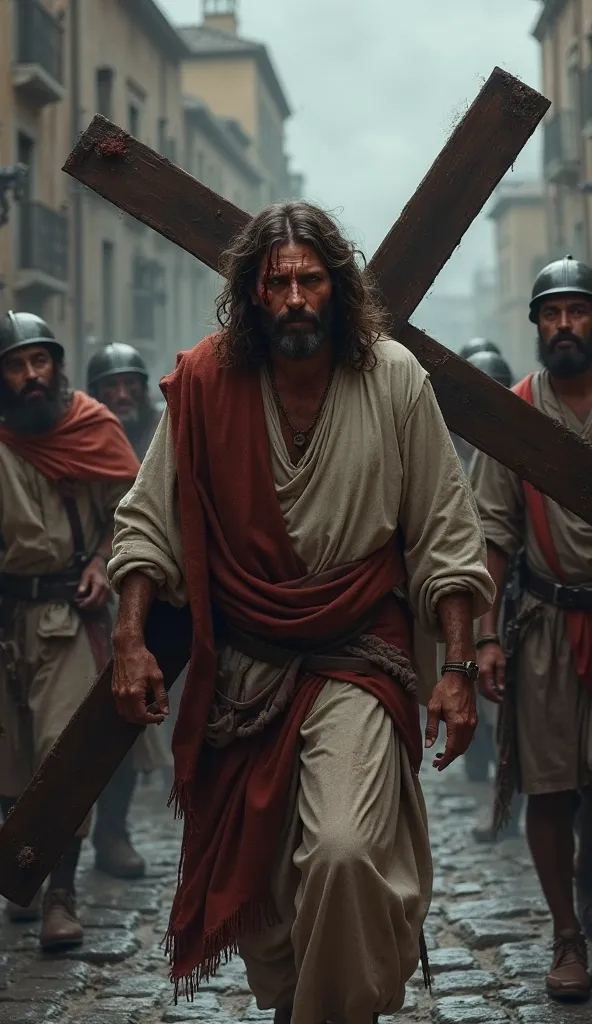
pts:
[61, 928]
[115, 854]
[569, 980]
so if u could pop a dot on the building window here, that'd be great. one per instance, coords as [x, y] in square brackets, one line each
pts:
[162, 135]
[104, 90]
[108, 291]
[133, 119]
[148, 299]
[25, 154]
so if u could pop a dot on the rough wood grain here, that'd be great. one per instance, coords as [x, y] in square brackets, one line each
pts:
[96, 739]
[552, 458]
[154, 191]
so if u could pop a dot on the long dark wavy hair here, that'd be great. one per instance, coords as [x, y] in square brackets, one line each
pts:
[358, 318]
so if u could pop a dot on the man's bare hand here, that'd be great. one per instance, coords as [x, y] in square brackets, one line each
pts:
[492, 672]
[93, 590]
[453, 702]
[138, 685]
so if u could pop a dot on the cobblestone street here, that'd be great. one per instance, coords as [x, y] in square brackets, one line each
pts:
[488, 934]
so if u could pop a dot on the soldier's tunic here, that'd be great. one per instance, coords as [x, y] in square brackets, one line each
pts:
[554, 707]
[56, 667]
[380, 456]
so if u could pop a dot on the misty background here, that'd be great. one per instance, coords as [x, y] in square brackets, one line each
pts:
[376, 88]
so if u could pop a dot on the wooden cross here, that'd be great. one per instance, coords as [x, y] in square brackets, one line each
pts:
[481, 149]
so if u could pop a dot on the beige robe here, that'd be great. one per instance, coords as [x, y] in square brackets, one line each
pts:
[56, 666]
[353, 879]
[554, 708]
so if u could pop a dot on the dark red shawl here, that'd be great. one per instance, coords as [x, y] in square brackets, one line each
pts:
[238, 556]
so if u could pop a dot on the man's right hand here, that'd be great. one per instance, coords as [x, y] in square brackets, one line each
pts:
[136, 680]
[492, 672]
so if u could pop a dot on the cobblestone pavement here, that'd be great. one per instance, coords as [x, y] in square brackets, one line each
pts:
[488, 933]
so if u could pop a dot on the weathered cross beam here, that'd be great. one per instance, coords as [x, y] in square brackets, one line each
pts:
[479, 152]
[481, 149]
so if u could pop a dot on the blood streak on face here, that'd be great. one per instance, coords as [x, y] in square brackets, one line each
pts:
[265, 282]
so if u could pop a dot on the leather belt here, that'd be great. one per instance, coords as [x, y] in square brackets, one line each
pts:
[568, 597]
[271, 654]
[51, 587]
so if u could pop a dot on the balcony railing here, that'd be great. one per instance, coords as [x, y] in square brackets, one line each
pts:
[43, 240]
[39, 38]
[562, 146]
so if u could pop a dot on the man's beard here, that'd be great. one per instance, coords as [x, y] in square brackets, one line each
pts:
[299, 343]
[565, 363]
[38, 414]
[136, 420]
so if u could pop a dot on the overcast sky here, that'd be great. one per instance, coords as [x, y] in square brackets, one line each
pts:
[375, 86]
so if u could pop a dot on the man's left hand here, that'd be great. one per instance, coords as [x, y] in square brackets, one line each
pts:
[453, 702]
[93, 591]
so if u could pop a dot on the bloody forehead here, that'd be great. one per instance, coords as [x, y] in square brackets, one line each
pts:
[290, 256]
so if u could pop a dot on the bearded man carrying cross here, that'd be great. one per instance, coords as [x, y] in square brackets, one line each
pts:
[303, 493]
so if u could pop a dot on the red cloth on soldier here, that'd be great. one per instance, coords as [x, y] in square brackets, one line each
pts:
[238, 556]
[87, 443]
[579, 624]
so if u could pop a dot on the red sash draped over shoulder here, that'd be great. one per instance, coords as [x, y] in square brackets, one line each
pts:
[87, 443]
[238, 556]
[579, 624]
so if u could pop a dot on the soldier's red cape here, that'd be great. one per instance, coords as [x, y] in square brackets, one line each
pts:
[87, 443]
[579, 624]
[239, 559]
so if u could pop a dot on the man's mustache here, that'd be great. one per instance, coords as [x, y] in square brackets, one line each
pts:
[297, 318]
[565, 336]
[33, 385]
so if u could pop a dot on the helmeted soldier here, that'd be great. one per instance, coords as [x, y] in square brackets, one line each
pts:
[543, 679]
[479, 345]
[490, 360]
[118, 377]
[65, 463]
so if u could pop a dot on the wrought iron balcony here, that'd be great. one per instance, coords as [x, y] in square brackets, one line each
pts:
[38, 60]
[562, 147]
[43, 249]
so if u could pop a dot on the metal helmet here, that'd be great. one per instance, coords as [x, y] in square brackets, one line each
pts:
[114, 358]
[566, 276]
[20, 329]
[493, 365]
[478, 345]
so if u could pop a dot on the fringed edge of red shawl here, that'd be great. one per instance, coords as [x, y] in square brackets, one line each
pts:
[219, 946]
[179, 800]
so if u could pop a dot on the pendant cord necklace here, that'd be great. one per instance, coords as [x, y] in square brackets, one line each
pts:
[300, 437]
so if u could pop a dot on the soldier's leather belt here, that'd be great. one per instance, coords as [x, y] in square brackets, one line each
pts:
[567, 597]
[271, 654]
[51, 587]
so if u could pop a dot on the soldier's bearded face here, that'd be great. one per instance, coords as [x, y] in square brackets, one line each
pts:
[31, 390]
[123, 394]
[294, 291]
[565, 335]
